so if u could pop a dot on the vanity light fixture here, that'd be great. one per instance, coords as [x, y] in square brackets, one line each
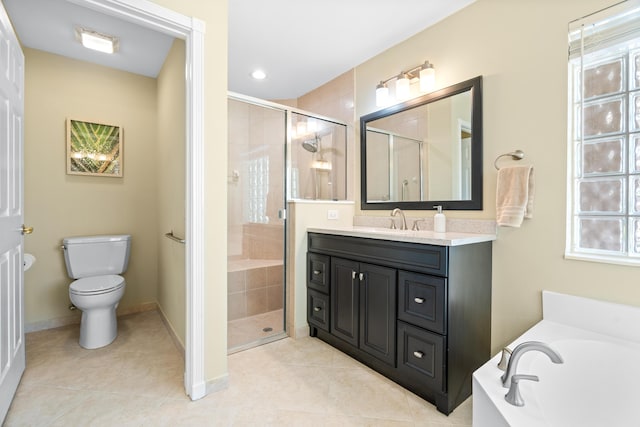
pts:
[425, 73]
[97, 41]
[321, 164]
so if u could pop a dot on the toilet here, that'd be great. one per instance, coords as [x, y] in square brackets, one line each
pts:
[97, 262]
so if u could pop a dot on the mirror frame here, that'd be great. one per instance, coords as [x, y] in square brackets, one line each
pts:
[475, 203]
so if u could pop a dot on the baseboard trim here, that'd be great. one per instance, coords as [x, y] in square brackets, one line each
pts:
[172, 333]
[301, 332]
[217, 384]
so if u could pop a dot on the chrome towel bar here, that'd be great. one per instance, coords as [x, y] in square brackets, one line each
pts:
[515, 155]
[174, 238]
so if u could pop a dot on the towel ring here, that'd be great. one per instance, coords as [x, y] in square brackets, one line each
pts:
[515, 155]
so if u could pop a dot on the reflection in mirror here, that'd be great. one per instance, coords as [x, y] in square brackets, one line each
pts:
[425, 152]
[318, 158]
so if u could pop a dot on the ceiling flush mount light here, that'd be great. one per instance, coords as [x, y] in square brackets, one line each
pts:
[259, 75]
[97, 41]
[424, 73]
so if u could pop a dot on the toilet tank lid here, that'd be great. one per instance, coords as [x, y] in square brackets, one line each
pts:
[96, 239]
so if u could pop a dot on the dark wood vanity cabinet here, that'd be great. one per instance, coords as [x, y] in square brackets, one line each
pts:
[418, 314]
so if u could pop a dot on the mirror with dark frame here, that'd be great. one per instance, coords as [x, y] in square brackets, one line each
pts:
[425, 152]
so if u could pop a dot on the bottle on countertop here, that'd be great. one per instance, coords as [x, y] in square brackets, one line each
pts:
[439, 221]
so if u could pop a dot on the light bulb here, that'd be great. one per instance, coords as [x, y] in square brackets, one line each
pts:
[403, 89]
[427, 77]
[382, 95]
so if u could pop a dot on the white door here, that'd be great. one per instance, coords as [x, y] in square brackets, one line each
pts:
[12, 351]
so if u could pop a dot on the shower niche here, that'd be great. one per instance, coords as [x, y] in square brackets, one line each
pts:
[318, 158]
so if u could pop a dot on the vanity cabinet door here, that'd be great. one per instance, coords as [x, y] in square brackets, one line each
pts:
[344, 299]
[378, 311]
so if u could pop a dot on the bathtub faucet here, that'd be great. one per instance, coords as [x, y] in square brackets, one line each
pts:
[522, 349]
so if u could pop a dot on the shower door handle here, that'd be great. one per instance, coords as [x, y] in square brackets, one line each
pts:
[282, 214]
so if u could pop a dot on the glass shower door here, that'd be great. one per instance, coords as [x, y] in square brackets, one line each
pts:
[256, 234]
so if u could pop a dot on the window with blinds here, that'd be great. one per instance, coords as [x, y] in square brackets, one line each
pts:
[604, 136]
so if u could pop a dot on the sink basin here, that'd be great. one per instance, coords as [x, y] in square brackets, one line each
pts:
[380, 230]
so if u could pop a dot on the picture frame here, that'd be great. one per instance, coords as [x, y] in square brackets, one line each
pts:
[94, 149]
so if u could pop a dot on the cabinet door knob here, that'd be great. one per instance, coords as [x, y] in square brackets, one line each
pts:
[419, 300]
[418, 354]
[361, 277]
[317, 308]
[317, 272]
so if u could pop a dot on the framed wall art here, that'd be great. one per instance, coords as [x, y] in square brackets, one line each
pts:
[94, 149]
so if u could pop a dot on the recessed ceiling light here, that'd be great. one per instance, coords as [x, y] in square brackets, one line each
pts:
[259, 75]
[97, 41]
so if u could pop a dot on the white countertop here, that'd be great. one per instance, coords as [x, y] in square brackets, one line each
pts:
[428, 237]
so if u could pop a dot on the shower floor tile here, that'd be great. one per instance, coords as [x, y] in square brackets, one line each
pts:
[252, 330]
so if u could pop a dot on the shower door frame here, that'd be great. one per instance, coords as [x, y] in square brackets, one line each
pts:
[282, 212]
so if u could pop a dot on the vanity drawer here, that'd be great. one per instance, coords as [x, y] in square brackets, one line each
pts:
[421, 356]
[318, 309]
[318, 272]
[422, 301]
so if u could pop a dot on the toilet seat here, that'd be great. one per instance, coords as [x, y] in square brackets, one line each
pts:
[96, 285]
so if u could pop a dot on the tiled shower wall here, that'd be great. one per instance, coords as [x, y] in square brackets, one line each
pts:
[255, 291]
[256, 278]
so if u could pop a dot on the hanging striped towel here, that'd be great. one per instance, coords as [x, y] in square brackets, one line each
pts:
[514, 195]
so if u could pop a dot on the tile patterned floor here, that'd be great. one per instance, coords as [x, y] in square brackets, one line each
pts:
[137, 381]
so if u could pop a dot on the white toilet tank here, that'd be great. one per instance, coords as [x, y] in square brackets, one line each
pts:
[87, 256]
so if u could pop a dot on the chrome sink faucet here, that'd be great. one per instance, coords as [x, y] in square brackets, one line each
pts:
[522, 349]
[395, 212]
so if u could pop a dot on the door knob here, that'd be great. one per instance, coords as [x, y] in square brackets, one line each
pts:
[26, 230]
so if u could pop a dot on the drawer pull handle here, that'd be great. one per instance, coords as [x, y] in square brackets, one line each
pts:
[418, 354]
[419, 300]
[317, 272]
[317, 308]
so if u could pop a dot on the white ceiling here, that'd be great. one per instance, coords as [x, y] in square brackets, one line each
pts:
[49, 25]
[300, 44]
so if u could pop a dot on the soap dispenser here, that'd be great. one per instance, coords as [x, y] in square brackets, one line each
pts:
[439, 221]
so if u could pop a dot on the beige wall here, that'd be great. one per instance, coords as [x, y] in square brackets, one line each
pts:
[170, 152]
[520, 49]
[59, 205]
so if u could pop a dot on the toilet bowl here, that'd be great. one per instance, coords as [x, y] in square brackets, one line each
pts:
[97, 297]
[97, 262]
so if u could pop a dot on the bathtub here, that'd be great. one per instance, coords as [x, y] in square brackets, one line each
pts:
[597, 385]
